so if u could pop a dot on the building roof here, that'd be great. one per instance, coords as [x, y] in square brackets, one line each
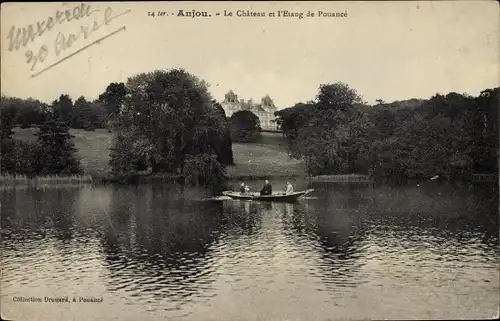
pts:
[266, 101]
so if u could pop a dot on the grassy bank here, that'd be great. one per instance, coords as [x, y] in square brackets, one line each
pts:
[44, 180]
[93, 148]
[266, 158]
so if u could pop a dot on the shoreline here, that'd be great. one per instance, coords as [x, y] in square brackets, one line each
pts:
[142, 178]
[137, 178]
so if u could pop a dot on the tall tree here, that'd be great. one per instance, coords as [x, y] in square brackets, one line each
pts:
[63, 108]
[174, 112]
[58, 153]
[225, 150]
[337, 96]
[113, 97]
[8, 114]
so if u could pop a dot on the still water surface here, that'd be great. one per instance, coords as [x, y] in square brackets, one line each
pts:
[156, 252]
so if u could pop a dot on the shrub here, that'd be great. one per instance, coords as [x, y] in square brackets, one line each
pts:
[7, 155]
[26, 157]
[203, 169]
[129, 153]
[58, 153]
[245, 127]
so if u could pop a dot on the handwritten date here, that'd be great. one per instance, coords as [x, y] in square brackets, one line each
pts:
[21, 37]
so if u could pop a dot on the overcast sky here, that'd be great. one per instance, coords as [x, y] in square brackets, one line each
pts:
[387, 50]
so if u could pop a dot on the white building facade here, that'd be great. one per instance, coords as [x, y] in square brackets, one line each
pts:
[265, 110]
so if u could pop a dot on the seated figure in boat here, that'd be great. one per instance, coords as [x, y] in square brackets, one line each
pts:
[289, 188]
[267, 189]
[242, 188]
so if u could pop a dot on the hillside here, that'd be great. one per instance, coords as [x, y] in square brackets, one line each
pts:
[268, 157]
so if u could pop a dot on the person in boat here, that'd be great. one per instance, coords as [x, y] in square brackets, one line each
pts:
[247, 189]
[289, 188]
[242, 188]
[267, 189]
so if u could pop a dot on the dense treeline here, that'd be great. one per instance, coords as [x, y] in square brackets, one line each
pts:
[162, 121]
[78, 114]
[53, 153]
[167, 122]
[452, 136]
[27, 113]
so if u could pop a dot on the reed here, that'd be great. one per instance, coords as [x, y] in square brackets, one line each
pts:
[45, 180]
[44, 187]
[484, 178]
[350, 178]
[272, 176]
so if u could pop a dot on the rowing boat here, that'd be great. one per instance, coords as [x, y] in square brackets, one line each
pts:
[275, 197]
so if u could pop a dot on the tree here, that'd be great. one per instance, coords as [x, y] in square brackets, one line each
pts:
[337, 96]
[447, 135]
[26, 158]
[63, 108]
[130, 152]
[384, 122]
[325, 133]
[99, 114]
[113, 97]
[29, 111]
[481, 124]
[58, 153]
[8, 114]
[225, 146]
[173, 113]
[203, 169]
[83, 116]
[292, 119]
[245, 127]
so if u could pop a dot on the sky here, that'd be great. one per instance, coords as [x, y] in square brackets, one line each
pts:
[384, 50]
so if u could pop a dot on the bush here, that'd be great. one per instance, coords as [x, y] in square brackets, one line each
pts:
[245, 127]
[129, 153]
[26, 157]
[58, 153]
[21, 157]
[203, 169]
[7, 156]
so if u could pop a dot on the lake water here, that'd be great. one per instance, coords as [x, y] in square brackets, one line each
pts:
[156, 252]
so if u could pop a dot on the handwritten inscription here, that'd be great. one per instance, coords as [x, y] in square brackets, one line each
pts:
[64, 42]
[19, 38]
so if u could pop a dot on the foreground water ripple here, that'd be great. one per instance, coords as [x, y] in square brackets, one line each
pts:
[352, 253]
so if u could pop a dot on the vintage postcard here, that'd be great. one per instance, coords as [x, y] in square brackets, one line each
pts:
[249, 160]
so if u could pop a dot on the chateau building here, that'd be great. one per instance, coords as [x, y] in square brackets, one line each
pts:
[265, 110]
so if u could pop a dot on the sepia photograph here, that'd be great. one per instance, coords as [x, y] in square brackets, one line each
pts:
[233, 161]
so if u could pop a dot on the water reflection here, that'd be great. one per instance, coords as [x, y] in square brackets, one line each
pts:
[159, 248]
[334, 234]
[29, 213]
[242, 217]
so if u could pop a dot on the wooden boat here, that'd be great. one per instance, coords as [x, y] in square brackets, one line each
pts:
[275, 197]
